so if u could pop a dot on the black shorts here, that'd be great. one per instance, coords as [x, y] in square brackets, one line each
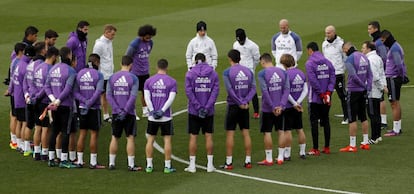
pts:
[268, 120]
[356, 103]
[196, 123]
[12, 109]
[64, 119]
[30, 116]
[39, 108]
[129, 125]
[319, 113]
[91, 121]
[394, 88]
[104, 86]
[21, 114]
[166, 128]
[141, 80]
[293, 119]
[235, 115]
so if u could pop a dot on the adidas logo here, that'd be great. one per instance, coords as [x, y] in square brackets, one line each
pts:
[159, 84]
[202, 80]
[241, 76]
[297, 80]
[275, 78]
[121, 82]
[86, 77]
[30, 66]
[363, 62]
[55, 73]
[16, 71]
[322, 67]
[38, 74]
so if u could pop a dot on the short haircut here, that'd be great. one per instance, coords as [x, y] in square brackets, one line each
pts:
[64, 52]
[375, 24]
[30, 31]
[94, 57]
[126, 60]
[385, 34]
[266, 57]
[19, 47]
[234, 55]
[39, 46]
[109, 28]
[52, 51]
[370, 45]
[147, 30]
[82, 24]
[162, 64]
[288, 60]
[313, 46]
[200, 57]
[51, 34]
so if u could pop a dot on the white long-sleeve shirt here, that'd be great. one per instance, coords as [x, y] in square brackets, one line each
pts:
[378, 76]
[289, 43]
[201, 44]
[249, 53]
[103, 47]
[333, 52]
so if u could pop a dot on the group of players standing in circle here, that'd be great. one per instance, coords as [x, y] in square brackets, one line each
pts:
[69, 94]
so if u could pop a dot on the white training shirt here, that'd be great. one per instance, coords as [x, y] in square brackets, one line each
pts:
[103, 47]
[378, 75]
[333, 52]
[203, 45]
[289, 43]
[249, 53]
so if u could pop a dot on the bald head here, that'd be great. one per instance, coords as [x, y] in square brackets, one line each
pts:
[284, 26]
[330, 32]
[348, 48]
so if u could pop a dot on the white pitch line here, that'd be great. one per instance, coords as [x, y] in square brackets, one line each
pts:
[178, 159]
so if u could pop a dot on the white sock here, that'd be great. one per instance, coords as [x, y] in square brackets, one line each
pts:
[45, 151]
[80, 157]
[302, 148]
[13, 138]
[131, 161]
[51, 155]
[210, 161]
[192, 162]
[248, 159]
[93, 160]
[27, 147]
[168, 164]
[20, 143]
[269, 155]
[287, 152]
[36, 149]
[144, 110]
[58, 153]
[149, 163]
[397, 126]
[364, 138]
[280, 154]
[384, 118]
[72, 155]
[112, 159]
[64, 156]
[352, 141]
[229, 159]
[105, 116]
